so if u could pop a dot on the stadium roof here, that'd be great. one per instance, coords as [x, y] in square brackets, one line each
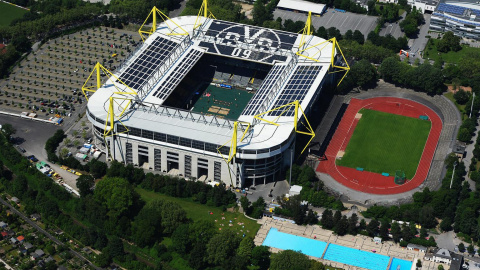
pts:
[301, 5]
[294, 78]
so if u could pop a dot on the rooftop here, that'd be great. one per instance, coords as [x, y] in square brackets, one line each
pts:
[296, 78]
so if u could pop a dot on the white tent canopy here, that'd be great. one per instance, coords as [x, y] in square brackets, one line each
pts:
[301, 5]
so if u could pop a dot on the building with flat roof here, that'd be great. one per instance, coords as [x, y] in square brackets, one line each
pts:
[302, 6]
[460, 17]
[177, 103]
[426, 6]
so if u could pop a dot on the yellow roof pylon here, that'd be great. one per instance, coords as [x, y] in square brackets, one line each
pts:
[285, 108]
[112, 117]
[98, 69]
[172, 26]
[306, 31]
[203, 12]
[234, 141]
[334, 67]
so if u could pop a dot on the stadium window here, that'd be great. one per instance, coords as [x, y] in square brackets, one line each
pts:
[147, 134]
[172, 139]
[198, 145]
[121, 128]
[160, 137]
[185, 142]
[210, 147]
[135, 132]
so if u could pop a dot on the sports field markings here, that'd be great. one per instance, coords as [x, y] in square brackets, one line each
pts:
[384, 142]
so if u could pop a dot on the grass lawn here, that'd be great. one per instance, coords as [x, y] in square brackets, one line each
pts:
[197, 211]
[9, 12]
[449, 57]
[384, 142]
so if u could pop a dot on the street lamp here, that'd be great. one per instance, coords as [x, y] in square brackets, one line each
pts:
[451, 181]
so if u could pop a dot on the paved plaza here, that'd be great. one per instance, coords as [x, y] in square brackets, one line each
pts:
[365, 243]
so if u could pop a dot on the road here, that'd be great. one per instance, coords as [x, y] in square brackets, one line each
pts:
[418, 44]
[58, 242]
[34, 134]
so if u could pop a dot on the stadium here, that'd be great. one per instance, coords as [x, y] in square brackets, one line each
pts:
[384, 145]
[213, 100]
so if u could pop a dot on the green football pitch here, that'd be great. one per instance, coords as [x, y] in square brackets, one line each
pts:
[222, 102]
[384, 142]
[9, 12]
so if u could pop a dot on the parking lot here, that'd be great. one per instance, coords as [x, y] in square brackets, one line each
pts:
[48, 81]
[342, 21]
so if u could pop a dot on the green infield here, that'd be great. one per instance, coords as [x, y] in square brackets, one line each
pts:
[385, 142]
[222, 102]
[9, 12]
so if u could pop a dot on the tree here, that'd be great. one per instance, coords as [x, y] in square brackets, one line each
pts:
[419, 263]
[352, 224]
[363, 73]
[327, 219]
[261, 257]
[461, 247]
[221, 247]
[85, 184]
[289, 259]
[396, 232]
[384, 230]
[390, 69]
[341, 227]
[245, 248]
[464, 135]
[440, 267]
[372, 227]
[358, 37]
[471, 250]
[461, 97]
[245, 203]
[180, 239]
[348, 35]
[116, 194]
[8, 130]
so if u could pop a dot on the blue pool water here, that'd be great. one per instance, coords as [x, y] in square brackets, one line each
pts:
[285, 241]
[355, 257]
[398, 264]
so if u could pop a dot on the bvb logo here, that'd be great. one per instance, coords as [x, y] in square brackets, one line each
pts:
[245, 39]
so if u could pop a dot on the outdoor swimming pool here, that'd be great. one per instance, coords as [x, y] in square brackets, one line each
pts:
[336, 253]
[398, 264]
[355, 257]
[285, 241]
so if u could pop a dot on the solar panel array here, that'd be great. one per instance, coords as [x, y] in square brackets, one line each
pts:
[136, 75]
[451, 9]
[176, 76]
[272, 77]
[296, 88]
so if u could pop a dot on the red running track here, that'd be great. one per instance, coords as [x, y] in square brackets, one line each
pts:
[375, 183]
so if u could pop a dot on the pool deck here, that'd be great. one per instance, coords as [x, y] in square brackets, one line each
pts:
[388, 248]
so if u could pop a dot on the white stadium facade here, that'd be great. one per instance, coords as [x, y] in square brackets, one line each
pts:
[153, 122]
